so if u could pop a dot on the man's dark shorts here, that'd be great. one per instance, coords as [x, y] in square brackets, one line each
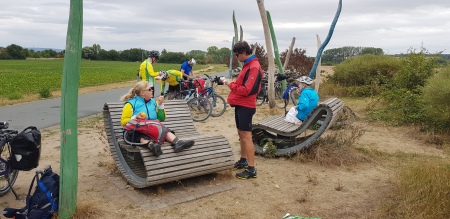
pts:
[243, 117]
[175, 88]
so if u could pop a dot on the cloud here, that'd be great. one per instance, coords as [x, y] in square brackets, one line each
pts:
[181, 26]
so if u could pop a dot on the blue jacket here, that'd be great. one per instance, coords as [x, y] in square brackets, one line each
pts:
[307, 101]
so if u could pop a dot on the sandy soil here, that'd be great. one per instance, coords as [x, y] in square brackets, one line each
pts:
[283, 185]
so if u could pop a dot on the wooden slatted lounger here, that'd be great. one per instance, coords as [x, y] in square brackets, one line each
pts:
[211, 153]
[286, 135]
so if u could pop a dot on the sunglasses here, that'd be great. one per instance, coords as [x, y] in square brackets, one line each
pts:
[150, 89]
[237, 54]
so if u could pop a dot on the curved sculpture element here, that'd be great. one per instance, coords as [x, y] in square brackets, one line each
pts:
[290, 138]
[312, 73]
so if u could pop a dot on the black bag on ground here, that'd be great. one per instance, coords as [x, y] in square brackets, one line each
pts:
[26, 149]
[44, 200]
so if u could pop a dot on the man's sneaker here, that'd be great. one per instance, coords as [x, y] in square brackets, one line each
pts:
[182, 145]
[240, 165]
[155, 148]
[246, 174]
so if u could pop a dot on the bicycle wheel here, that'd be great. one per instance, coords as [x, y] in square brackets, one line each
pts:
[200, 108]
[280, 103]
[6, 173]
[219, 105]
[294, 96]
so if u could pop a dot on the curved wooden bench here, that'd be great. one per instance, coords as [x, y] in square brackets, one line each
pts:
[140, 168]
[286, 134]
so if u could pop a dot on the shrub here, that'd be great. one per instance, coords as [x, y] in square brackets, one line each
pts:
[45, 93]
[415, 70]
[436, 96]
[365, 70]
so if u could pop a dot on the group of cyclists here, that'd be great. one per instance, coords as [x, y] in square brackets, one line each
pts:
[172, 77]
[242, 97]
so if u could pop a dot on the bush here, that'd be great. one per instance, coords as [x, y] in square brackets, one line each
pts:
[45, 93]
[415, 70]
[365, 70]
[436, 96]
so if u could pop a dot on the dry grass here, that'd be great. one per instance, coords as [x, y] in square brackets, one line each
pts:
[421, 190]
[335, 149]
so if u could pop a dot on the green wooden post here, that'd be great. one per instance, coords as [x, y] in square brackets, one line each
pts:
[236, 35]
[69, 112]
[231, 58]
[275, 48]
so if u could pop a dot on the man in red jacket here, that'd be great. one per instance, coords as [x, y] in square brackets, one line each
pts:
[243, 98]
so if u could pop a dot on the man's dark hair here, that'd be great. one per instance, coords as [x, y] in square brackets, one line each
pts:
[241, 47]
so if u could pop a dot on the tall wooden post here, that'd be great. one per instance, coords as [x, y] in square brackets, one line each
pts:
[69, 112]
[275, 48]
[271, 70]
[231, 59]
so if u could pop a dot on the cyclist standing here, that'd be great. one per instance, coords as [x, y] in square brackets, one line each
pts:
[243, 98]
[146, 71]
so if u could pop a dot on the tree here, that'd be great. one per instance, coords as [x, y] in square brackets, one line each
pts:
[298, 62]
[15, 52]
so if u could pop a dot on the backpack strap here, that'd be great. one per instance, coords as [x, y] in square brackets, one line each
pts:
[51, 200]
[35, 179]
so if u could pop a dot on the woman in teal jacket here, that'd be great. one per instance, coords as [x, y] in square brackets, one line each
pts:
[140, 105]
[308, 98]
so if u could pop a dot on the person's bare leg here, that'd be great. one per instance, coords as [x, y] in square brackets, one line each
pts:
[242, 145]
[170, 137]
[247, 147]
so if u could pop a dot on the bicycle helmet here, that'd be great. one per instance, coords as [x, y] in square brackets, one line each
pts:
[163, 75]
[154, 53]
[192, 61]
[305, 79]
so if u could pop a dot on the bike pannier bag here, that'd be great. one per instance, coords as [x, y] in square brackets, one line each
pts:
[26, 149]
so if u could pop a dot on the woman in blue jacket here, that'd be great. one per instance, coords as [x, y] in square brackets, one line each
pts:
[307, 99]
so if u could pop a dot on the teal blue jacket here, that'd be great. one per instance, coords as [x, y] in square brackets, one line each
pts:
[307, 101]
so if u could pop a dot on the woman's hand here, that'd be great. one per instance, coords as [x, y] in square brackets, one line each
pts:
[141, 115]
[160, 100]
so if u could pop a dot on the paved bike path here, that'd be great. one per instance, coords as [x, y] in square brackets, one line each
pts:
[46, 113]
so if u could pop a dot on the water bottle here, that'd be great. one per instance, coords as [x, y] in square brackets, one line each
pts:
[187, 96]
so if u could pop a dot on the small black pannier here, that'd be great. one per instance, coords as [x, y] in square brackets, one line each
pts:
[26, 149]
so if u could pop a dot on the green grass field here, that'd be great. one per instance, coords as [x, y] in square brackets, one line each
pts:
[21, 77]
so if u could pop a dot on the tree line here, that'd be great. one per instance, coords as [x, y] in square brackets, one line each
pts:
[213, 55]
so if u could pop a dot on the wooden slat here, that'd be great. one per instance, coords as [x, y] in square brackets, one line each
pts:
[211, 153]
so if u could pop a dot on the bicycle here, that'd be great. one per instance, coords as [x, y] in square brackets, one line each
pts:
[219, 105]
[200, 107]
[263, 96]
[8, 175]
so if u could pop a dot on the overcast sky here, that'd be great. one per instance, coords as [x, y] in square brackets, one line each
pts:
[181, 26]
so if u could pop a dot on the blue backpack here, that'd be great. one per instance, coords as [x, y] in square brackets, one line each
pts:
[44, 200]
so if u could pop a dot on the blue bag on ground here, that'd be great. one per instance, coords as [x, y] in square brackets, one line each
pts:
[44, 200]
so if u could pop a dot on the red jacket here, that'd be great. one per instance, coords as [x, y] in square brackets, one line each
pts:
[247, 86]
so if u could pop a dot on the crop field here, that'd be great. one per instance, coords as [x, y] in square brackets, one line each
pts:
[21, 77]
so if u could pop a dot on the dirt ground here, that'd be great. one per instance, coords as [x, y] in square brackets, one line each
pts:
[283, 185]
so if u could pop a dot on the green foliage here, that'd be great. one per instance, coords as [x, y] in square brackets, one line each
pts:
[366, 73]
[269, 149]
[415, 70]
[14, 95]
[338, 55]
[399, 106]
[402, 102]
[45, 93]
[436, 99]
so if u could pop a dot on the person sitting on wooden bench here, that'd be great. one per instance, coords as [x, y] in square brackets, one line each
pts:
[307, 99]
[141, 112]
